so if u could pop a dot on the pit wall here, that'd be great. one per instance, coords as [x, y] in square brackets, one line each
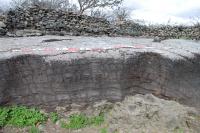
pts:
[30, 80]
[36, 20]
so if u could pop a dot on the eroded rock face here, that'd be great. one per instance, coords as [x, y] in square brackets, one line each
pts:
[31, 80]
[93, 73]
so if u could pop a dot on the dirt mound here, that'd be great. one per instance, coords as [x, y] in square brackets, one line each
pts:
[147, 113]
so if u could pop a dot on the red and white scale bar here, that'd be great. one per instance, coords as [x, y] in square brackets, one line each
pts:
[77, 50]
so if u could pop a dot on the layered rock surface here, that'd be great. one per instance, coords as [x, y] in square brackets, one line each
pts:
[54, 70]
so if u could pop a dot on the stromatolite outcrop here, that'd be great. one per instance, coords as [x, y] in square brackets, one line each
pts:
[88, 69]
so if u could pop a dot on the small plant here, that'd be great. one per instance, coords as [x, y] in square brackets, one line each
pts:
[54, 117]
[3, 116]
[178, 130]
[103, 130]
[78, 121]
[20, 116]
[97, 120]
[34, 129]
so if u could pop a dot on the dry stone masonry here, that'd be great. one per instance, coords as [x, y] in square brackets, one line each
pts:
[161, 31]
[37, 21]
[51, 21]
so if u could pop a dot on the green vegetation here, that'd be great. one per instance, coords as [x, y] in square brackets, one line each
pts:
[104, 130]
[24, 117]
[4, 112]
[78, 121]
[20, 116]
[178, 130]
[54, 117]
[34, 129]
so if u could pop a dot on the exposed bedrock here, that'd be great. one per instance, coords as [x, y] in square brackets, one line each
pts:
[31, 80]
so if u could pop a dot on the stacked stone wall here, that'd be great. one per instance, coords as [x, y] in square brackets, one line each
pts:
[35, 21]
[51, 21]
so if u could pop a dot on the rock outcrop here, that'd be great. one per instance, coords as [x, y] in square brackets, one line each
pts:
[52, 70]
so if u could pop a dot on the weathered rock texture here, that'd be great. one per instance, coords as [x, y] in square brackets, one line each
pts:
[89, 69]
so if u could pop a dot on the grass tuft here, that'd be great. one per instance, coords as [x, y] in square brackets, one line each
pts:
[20, 116]
[77, 121]
[103, 130]
[34, 129]
[54, 117]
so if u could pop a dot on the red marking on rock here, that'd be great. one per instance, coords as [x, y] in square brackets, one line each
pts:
[73, 49]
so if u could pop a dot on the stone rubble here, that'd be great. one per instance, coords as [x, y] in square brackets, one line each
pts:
[37, 21]
[2, 26]
[55, 22]
[161, 31]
